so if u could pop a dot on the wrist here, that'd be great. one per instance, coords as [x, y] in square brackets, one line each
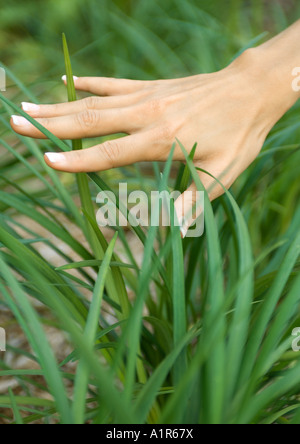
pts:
[279, 68]
[269, 72]
[279, 58]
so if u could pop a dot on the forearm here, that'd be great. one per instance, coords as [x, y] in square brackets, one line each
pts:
[267, 73]
[276, 63]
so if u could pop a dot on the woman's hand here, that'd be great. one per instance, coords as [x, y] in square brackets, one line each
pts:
[228, 114]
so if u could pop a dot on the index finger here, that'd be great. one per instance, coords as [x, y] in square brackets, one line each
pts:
[104, 86]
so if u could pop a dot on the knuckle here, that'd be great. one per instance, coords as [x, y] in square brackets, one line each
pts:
[155, 106]
[111, 151]
[76, 158]
[45, 121]
[88, 119]
[91, 102]
[216, 192]
[166, 133]
[228, 182]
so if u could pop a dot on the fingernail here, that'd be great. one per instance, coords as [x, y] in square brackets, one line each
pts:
[55, 157]
[184, 228]
[20, 121]
[64, 78]
[182, 225]
[30, 106]
[183, 232]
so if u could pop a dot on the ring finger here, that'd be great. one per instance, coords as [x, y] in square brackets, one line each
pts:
[89, 103]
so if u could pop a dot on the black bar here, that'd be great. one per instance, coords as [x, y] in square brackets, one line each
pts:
[139, 433]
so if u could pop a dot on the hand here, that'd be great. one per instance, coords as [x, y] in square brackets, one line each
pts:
[226, 113]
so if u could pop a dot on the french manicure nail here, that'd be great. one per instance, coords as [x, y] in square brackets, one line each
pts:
[183, 232]
[20, 121]
[184, 227]
[30, 106]
[181, 224]
[55, 157]
[64, 78]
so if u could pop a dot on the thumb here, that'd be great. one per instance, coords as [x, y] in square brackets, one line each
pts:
[189, 206]
[188, 209]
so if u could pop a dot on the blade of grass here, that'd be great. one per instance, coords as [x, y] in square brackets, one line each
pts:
[149, 392]
[133, 329]
[179, 301]
[93, 263]
[238, 331]
[267, 310]
[82, 374]
[39, 342]
[215, 374]
[115, 283]
[82, 179]
[137, 230]
[17, 417]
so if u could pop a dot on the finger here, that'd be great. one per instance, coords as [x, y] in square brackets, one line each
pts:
[89, 123]
[111, 154]
[188, 209]
[189, 205]
[103, 86]
[89, 103]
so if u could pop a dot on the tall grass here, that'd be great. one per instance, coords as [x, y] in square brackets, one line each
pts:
[200, 330]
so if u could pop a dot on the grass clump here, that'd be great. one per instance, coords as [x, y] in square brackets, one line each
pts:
[197, 331]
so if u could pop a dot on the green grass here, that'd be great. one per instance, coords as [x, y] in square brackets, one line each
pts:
[198, 331]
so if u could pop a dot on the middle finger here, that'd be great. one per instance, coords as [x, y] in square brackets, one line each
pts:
[89, 103]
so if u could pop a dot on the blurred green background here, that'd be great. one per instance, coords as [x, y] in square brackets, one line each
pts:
[127, 37]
